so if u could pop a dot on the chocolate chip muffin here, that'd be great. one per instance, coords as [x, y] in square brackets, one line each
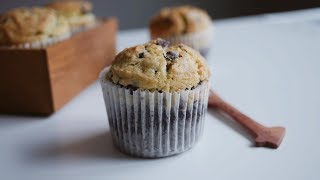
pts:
[156, 98]
[184, 24]
[34, 27]
[77, 12]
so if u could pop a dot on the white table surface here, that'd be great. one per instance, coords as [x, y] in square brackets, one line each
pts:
[268, 66]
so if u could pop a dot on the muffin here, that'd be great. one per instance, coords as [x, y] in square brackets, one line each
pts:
[35, 27]
[77, 12]
[156, 97]
[184, 24]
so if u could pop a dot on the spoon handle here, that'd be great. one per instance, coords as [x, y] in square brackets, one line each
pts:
[264, 136]
[252, 126]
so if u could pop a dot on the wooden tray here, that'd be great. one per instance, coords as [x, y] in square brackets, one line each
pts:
[41, 81]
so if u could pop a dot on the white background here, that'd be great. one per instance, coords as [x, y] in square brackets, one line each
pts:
[268, 66]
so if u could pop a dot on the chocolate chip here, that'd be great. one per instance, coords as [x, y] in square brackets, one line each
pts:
[84, 9]
[141, 55]
[131, 89]
[3, 19]
[163, 43]
[171, 55]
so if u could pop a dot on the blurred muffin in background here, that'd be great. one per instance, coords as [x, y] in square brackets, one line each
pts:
[34, 27]
[184, 24]
[77, 12]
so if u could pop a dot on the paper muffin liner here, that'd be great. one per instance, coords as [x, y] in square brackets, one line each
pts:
[83, 23]
[39, 44]
[77, 29]
[200, 41]
[154, 124]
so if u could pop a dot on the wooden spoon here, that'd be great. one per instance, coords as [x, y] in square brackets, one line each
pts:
[264, 136]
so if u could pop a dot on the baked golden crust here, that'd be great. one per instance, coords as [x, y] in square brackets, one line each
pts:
[71, 6]
[23, 25]
[178, 21]
[157, 66]
[77, 12]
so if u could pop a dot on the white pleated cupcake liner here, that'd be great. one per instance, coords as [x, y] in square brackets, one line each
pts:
[75, 30]
[154, 124]
[39, 44]
[200, 41]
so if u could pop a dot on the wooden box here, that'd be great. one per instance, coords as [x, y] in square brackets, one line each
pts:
[41, 81]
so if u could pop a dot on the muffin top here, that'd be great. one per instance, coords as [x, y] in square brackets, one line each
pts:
[179, 20]
[71, 7]
[77, 12]
[22, 25]
[158, 66]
